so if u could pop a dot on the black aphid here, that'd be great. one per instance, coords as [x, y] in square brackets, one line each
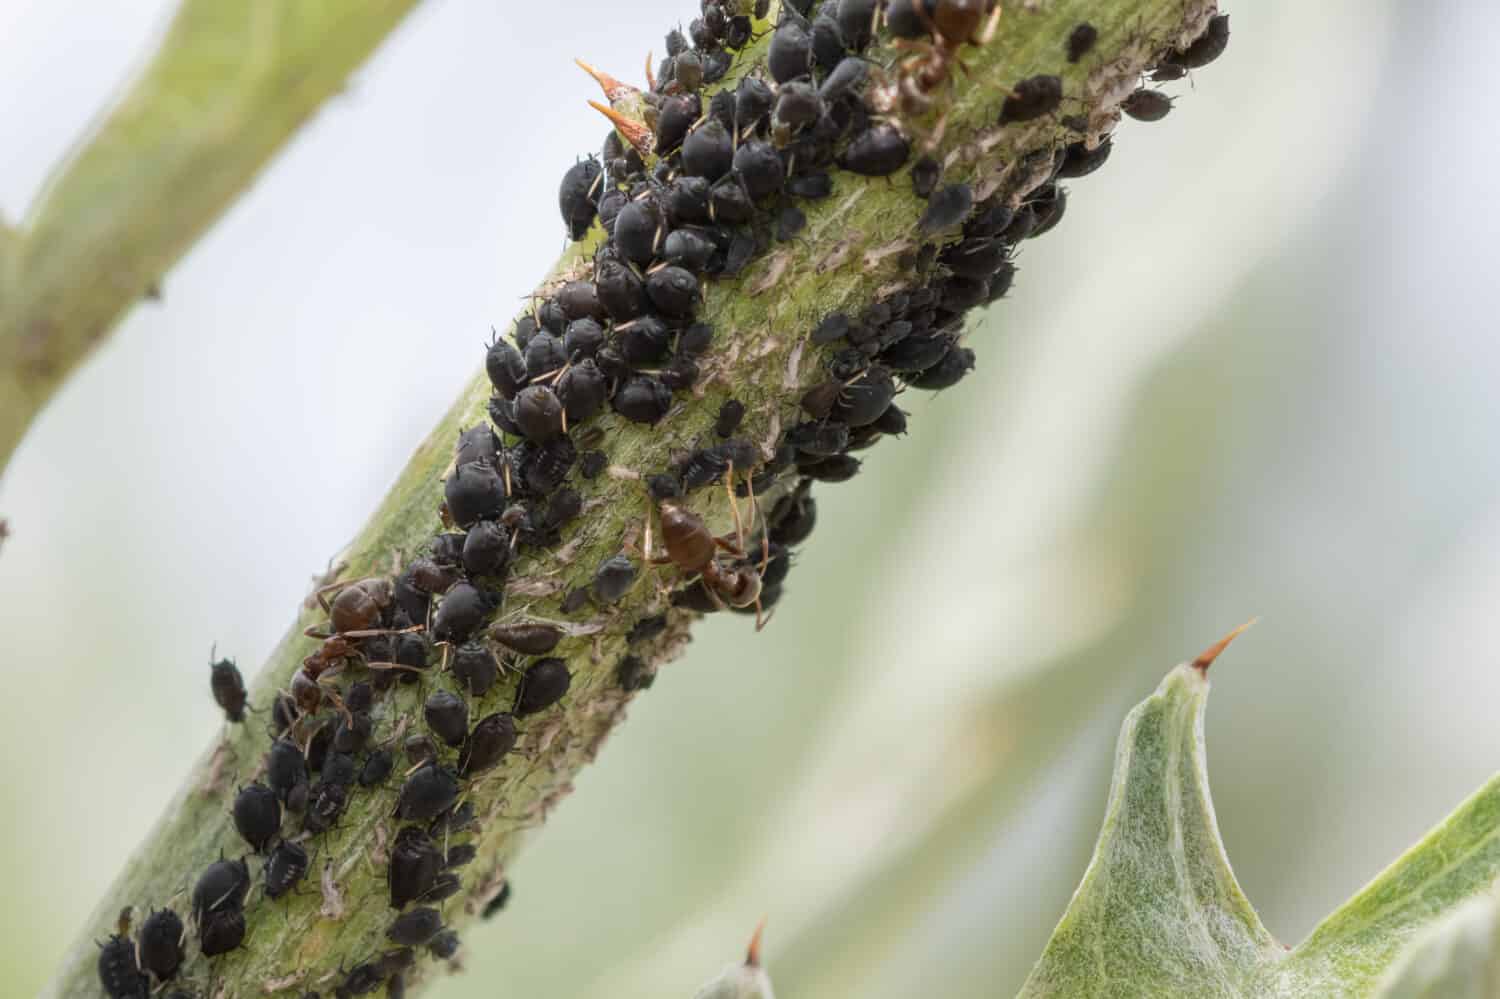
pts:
[731, 413]
[591, 463]
[632, 675]
[486, 549]
[492, 738]
[759, 167]
[793, 518]
[673, 119]
[285, 767]
[415, 927]
[419, 749]
[909, 18]
[453, 823]
[959, 361]
[544, 355]
[791, 52]
[542, 685]
[360, 697]
[946, 208]
[797, 105]
[228, 688]
[687, 200]
[578, 301]
[836, 468]
[621, 291]
[638, 231]
[286, 866]
[376, 768]
[362, 980]
[118, 972]
[583, 337]
[411, 650]
[575, 197]
[539, 413]
[708, 151]
[474, 669]
[729, 202]
[447, 715]
[463, 610]
[220, 888]
[415, 862]
[474, 492]
[1147, 105]
[428, 791]
[531, 638]
[752, 101]
[161, 944]
[582, 390]
[614, 578]
[1032, 98]
[892, 421]
[319, 745]
[862, 401]
[856, 19]
[497, 903]
[834, 326]
[810, 185]
[688, 248]
[460, 855]
[326, 802]
[1080, 161]
[444, 945]
[695, 340]
[674, 291]
[642, 399]
[340, 768]
[664, 485]
[221, 932]
[878, 151]
[257, 815]
[353, 732]
[1208, 46]
[1081, 41]
[925, 174]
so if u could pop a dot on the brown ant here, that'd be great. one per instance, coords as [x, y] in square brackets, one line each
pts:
[356, 612]
[694, 549]
[952, 24]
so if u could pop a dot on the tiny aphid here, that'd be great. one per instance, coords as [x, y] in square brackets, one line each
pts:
[228, 689]
[1081, 41]
[286, 866]
[257, 815]
[161, 944]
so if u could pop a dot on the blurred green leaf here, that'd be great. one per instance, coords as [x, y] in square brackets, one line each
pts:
[230, 84]
[1159, 912]
[1457, 959]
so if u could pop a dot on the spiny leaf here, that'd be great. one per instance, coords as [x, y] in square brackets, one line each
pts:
[1159, 912]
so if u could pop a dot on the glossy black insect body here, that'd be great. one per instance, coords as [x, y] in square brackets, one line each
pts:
[474, 492]
[810, 185]
[285, 767]
[638, 231]
[428, 791]
[529, 638]
[161, 944]
[1081, 41]
[340, 768]
[447, 715]
[878, 151]
[674, 291]
[1147, 105]
[486, 549]
[460, 855]
[474, 669]
[1032, 98]
[362, 980]
[583, 338]
[118, 971]
[478, 443]
[376, 768]
[946, 208]
[925, 174]
[326, 801]
[759, 166]
[686, 200]
[582, 390]
[731, 413]
[353, 732]
[285, 868]
[221, 932]
[575, 196]
[708, 151]
[642, 399]
[1208, 46]
[793, 518]
[621, 291]
[492, 738]
[444, 945]
[729, 202]
[462, 611]
[1080, 161]
[613, 579]
[539, 413]
[220, 888]
[497, 903]
[542, 685]
[862, 401]
[955, 364]
[797, 105]
[415, 863]
[415, 927]
[257, 815]
[228, 689]
[791, 52]
[632, 674]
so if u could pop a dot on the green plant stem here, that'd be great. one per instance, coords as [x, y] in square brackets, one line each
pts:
[850, 253]
[231, 83]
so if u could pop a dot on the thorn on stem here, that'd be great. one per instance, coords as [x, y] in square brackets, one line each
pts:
[1206, 659]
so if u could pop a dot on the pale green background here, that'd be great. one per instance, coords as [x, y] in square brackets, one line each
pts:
[1253, 372]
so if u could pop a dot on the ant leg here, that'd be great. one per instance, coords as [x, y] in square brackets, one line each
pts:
[313, 631]
[765, 537]
[734, 504]
[987, 34]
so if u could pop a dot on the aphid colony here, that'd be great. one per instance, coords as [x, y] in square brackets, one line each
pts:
[689, 189]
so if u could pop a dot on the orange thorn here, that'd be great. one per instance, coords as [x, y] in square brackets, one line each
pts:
[1204, 661]
[613, 89]
[650, 76]
[637, 133]
[752, 956]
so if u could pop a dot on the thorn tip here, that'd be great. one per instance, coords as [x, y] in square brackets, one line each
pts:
[1207, 657]
[752, 955]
